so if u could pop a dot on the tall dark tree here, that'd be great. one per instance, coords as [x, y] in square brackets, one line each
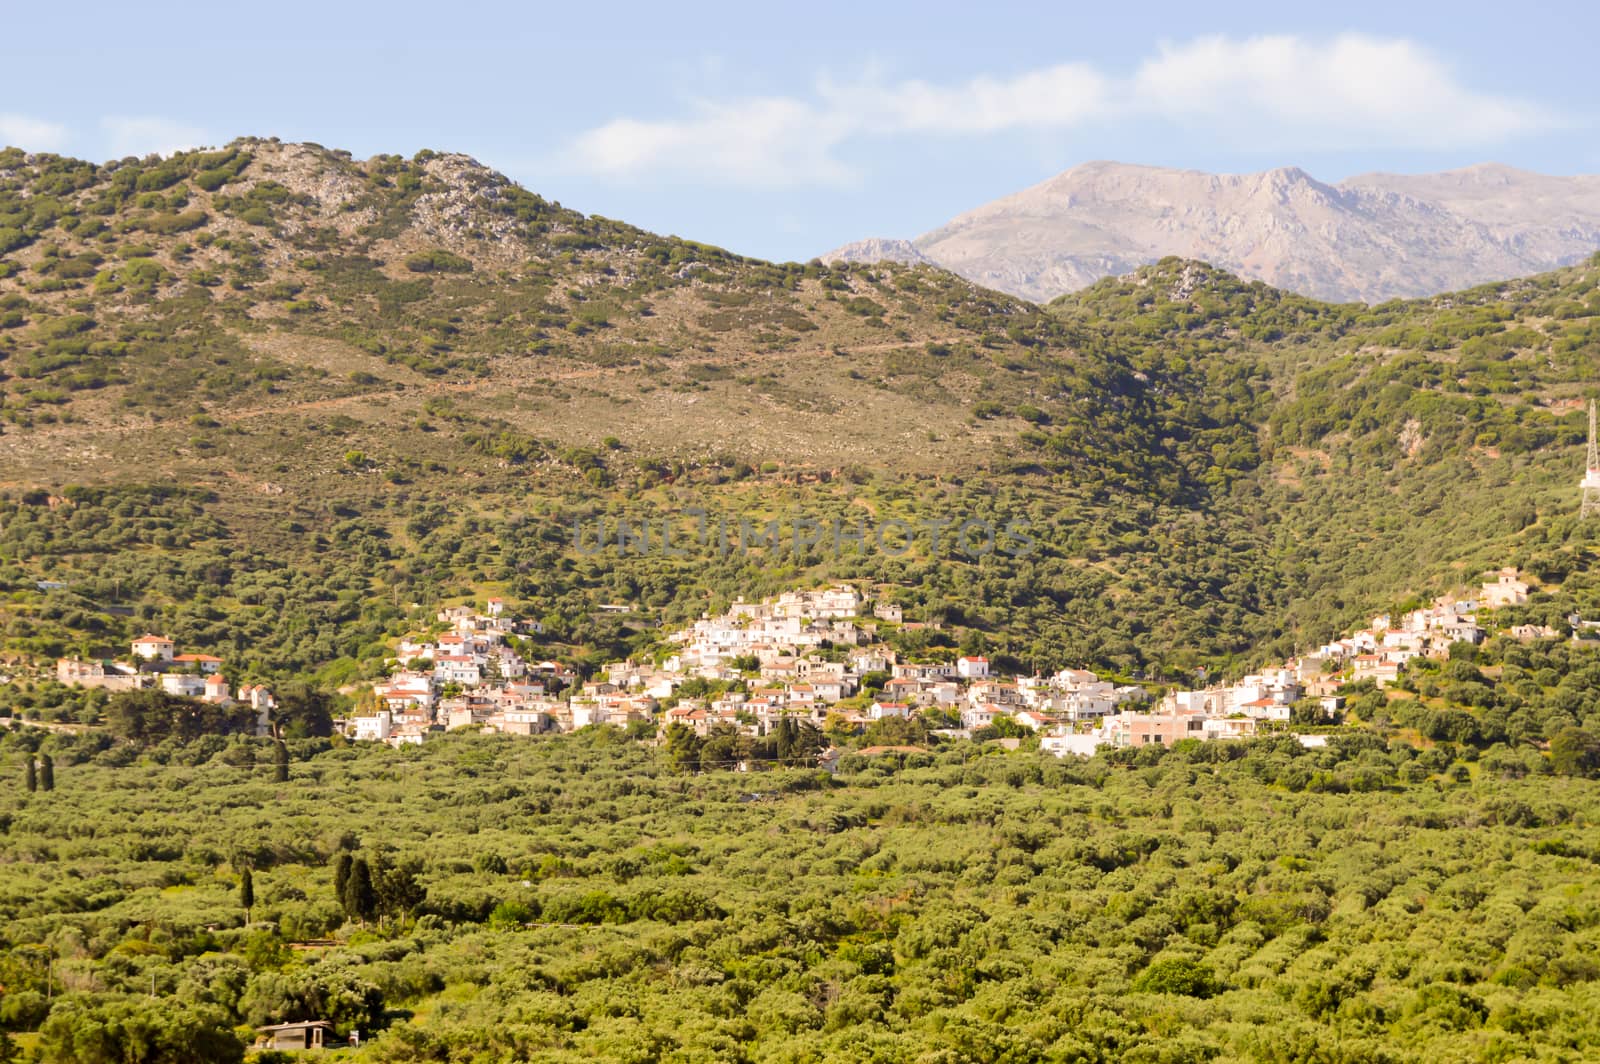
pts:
[47, 772]
[341, 874]
[280, 762]
[683, 747]
[786, 733]
[360, 899]
[724, 747]
[247, 893]
[304, 712]
[396, 888]
[808, 743]
[31, 775]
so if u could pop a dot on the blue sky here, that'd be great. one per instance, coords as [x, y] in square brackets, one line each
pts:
[784, 130]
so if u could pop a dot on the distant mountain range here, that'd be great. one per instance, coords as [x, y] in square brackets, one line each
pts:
[1370, 238]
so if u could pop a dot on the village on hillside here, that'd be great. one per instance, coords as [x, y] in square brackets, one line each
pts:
[818, 657]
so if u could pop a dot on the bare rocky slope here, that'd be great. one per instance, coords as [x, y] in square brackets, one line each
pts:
[1370, 238]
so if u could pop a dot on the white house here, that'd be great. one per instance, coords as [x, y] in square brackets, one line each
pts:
[183, 685]
[1089, 704]
[153, 648]
[457, 668]
[829, 689]
[258, 698]
[375, 728]
[405, 690]
[1071, 679]
[587, 713]
[981, 715]
[205, 664]
[972, 668]
[1506, 589]
[72, 671]
[1229, 728]
[412, 649]
[1077, 745]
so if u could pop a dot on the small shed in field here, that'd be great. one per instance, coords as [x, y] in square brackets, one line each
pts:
[307, 1034]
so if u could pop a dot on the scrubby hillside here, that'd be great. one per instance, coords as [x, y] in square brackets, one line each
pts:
[1401, 443]
[272, 398]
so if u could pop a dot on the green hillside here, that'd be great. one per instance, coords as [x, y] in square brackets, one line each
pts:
[271, 399]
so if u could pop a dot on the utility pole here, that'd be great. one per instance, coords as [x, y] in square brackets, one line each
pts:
[1591, 473]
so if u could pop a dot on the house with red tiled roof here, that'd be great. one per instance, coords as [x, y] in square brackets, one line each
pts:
[205, 664]
[1036, 721]
[1265, 709]
[981, 715]
[153, 648]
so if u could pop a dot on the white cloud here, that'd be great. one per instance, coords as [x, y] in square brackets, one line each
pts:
[1050, 98]
[32, 134]
[764, 141]
[1275, 92]
[1352, 91]
[145, 135]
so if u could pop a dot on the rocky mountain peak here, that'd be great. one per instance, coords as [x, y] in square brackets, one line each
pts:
[1369, 238]
[877, 249]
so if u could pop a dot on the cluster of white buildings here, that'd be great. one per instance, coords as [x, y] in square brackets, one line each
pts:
[470, 676]
[1377, 652]
[966, 689]
[155, 662]
[1231, 711]
[783, 629]
[797, 656]
[467, 674]
[800, 655]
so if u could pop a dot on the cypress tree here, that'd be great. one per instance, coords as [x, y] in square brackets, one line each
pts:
[247, 893]
[32, 775]
[360, 900]
[47, 772]
[341, 876]
[280, 762]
